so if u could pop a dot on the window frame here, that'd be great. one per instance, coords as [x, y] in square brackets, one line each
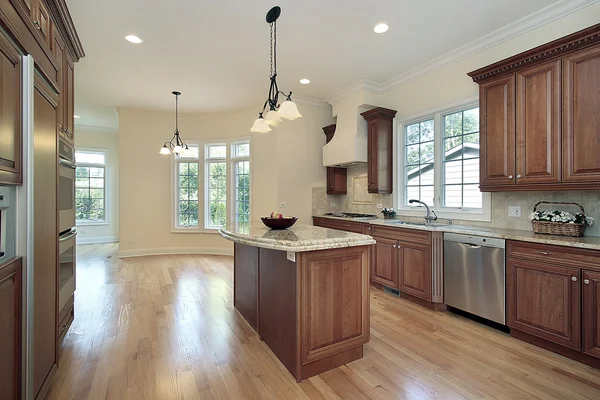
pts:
[216, 160]
[106, 154]
[470, 214]
[233, 160]
[202, 183]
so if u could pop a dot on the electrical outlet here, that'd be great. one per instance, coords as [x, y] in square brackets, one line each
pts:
[131, 241]
[332, 204]
[281, 205]
[379, 205]
[514, 211]
[84, 231]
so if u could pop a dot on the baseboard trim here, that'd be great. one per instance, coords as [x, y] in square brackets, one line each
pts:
[95, 240]
[209, 251]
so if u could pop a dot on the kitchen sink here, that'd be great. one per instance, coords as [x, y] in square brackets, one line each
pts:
[399, 222]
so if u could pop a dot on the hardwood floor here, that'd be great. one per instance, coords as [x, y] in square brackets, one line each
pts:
[164, 327]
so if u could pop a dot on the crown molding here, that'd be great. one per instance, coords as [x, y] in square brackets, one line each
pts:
[100, 129]
[310, 102]
[523, 25]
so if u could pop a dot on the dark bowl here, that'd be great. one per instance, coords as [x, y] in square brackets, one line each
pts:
[279, 223]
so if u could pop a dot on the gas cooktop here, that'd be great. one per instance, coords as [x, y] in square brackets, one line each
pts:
[351, 215]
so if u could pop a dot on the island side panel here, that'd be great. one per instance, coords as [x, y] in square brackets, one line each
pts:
[277, 293]
[334, 307]
[245, 283]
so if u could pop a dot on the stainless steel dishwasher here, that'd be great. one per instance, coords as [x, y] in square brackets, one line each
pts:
[474, 275]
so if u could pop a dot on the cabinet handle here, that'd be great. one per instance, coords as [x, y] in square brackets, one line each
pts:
[574, 278]
[586, 281]
[394, 246]
[37, 25]
[519, 176]
[510, 177]
[544, 253]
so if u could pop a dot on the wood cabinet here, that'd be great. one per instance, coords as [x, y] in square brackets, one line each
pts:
[591, 313]
[380, 128]
[581, 118]
[337, 178]
[10, 113]
[544, 300]
[414, 269]
[45, 286]
[10, 329]
[339, 224]
[384, 268]
[539, 117]
[68, 98]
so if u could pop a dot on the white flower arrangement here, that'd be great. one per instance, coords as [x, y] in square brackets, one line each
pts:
[388, 212]
[561, 216]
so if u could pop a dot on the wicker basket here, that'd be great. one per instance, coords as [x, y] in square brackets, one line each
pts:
[559, 228]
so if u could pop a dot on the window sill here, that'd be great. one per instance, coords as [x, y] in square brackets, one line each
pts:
[84, 223]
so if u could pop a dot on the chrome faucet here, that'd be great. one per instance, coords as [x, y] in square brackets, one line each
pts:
[428, 217]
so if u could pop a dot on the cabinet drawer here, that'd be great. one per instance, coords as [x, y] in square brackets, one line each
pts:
[405, 235]
[572, 256]
[342, 225]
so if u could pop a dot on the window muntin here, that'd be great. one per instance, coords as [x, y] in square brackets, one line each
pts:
[419, 156]
[460, 167]
[90, 187]
[188, 194]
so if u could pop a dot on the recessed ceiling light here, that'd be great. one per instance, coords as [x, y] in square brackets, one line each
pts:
[305, 81]
[381, 28]
[76, 116]
[133, 39]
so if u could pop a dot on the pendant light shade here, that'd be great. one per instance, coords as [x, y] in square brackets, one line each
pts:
[273, 118]
[165, 150]
[288, 110]
[178, 150]
[260, 126]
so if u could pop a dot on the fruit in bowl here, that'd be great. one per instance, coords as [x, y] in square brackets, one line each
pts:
[278, 221]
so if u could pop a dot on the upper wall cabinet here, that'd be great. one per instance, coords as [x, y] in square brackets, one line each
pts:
[380, 149]
[540, 125]
[10, 113]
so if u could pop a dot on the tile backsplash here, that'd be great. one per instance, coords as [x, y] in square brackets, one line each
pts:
[362, 202]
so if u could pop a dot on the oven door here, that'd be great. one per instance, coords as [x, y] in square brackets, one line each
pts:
[66, 195]
[66, 267]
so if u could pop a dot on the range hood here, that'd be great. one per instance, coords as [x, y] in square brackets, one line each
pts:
[349, 144]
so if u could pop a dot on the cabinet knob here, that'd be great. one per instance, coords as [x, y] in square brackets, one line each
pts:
[519, 176]
[586, 281]
[510, 177]
[394, 246]
[37, 25]
[574, 278]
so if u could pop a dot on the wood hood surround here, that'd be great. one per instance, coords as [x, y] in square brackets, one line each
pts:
[349, 145]
[540, 117]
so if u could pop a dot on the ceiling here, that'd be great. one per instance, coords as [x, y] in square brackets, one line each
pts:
[217, 52]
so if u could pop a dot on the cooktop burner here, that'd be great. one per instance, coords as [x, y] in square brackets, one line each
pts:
[351, 215]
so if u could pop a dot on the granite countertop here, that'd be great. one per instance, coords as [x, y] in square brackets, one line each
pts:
[298, 238]
[586, 242]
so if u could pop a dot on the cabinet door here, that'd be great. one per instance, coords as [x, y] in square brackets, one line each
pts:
[10, 330]
[581, 119]
[591, 313]
[336, 180]
[384, 268]
[60, 57]
[10, 113]
[414, 270]
[69, 92]
[497, 120]
[45, 233]
[538, 124]
[373, 157]
[544, 301]
[42, 21]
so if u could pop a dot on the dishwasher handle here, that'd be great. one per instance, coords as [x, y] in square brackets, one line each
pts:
[472, 246]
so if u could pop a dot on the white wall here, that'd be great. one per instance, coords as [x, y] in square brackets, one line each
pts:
[106, 141]
[286, 165]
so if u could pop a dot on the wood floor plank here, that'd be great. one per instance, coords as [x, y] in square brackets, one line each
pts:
[164, 327]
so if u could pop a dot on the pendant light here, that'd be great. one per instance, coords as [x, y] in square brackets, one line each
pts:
[276, 111]
[176, 145]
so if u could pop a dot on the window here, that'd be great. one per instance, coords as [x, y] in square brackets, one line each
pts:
[90, 187]
[212, 185]
[439, 161]
[461, 160]
[419, 161]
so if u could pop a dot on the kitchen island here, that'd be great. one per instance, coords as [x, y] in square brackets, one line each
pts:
[305, 291]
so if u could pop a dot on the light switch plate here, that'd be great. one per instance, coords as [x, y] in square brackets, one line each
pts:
[281, 205]
[332, 204]
[379, 205]
[514, 211]
[291, 256]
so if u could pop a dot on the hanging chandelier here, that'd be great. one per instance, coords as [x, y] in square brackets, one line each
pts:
[276, 111]
[176, 145]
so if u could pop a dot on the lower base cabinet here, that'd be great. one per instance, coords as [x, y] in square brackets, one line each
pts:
[10, 329]
[553, 298]
[591, 313]
[384, 268]
[414, 270]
